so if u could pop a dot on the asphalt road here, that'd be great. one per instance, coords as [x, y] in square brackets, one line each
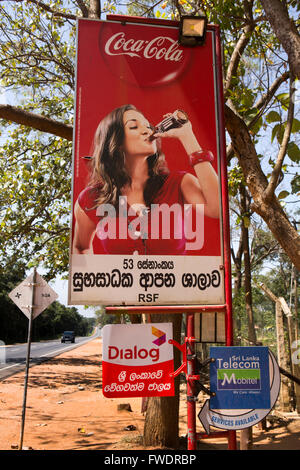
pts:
[13, 357]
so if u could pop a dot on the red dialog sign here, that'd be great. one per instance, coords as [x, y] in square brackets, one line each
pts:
[137, 360]
[147, 168]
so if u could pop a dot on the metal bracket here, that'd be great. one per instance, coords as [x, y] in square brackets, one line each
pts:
[199, 386]
[183, 367]
[191, 398]
[196, 385]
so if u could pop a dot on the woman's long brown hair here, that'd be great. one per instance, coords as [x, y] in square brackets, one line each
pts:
[108, 172]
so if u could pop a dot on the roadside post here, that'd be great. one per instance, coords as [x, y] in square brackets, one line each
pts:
[32, 296]
[148, 63]
[2, 352]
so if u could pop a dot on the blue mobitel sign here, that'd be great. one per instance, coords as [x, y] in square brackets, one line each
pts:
[239, 377]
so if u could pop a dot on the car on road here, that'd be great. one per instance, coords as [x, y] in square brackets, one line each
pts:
[68, 336]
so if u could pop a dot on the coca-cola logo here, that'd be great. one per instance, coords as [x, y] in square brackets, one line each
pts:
[159, 48]
[143, 56]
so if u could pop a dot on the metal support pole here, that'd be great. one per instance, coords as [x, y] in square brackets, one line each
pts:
[27, 360]
[191, 403]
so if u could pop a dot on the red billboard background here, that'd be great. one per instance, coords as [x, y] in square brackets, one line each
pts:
[132, 61]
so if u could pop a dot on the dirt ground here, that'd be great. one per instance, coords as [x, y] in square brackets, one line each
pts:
[66, 410]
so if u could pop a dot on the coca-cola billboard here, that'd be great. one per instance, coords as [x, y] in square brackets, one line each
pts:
[147, 167]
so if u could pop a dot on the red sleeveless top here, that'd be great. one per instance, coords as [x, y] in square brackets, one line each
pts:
[159, 231]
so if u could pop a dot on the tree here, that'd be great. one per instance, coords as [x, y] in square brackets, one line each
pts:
[240, 128]
[13, 323]
[37, 65]
[37, 71]
[48, 325]
[162, 416]
[244, 197]
[56, 319]
[253, 246]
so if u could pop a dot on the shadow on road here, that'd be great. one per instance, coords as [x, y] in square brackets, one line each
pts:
[63, 372]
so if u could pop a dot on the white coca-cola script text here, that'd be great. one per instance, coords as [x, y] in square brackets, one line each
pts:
[161, 47]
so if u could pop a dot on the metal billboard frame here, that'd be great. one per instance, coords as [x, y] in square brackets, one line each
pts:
[190, 309]
[187, 348]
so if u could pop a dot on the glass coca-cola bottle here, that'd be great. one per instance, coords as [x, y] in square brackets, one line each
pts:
[174, 120]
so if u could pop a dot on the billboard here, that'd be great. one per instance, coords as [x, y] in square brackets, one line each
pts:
[245, 382]
[239, 377]
[137, 360]
[147, 167]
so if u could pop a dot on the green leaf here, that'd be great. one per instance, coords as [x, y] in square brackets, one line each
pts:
[275, 131]
[293, 152]
[283, 194]
[246, 221]
[295, 184]
[255, 129]
[284, 99]
[273, 116]
[296, 125]
[278, 132]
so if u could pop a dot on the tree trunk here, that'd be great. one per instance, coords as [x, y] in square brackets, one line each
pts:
[247, 267]
[246, 439]
[296, 367]
[94, 10]
[162, 416]
[268, 207]
[237, 259]
[285, 30]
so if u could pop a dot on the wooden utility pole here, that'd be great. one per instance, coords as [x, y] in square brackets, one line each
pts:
[282, 357]
[292, 336]
[280, 306]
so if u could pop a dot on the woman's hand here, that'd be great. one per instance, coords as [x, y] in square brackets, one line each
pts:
[184, 131]
[201, 188]
[184, 134]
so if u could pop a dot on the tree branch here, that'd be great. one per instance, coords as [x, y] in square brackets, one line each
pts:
[266, 98]
[36, 121]
[271, 211]
[269, 191]
[260, 104]
[240, 46]
[83, 8]
[151, 8]
[245, 150]
[45, 7]
[263, 100]
[271, 249]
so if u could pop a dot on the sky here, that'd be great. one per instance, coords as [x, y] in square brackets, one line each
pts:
[60, 286]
